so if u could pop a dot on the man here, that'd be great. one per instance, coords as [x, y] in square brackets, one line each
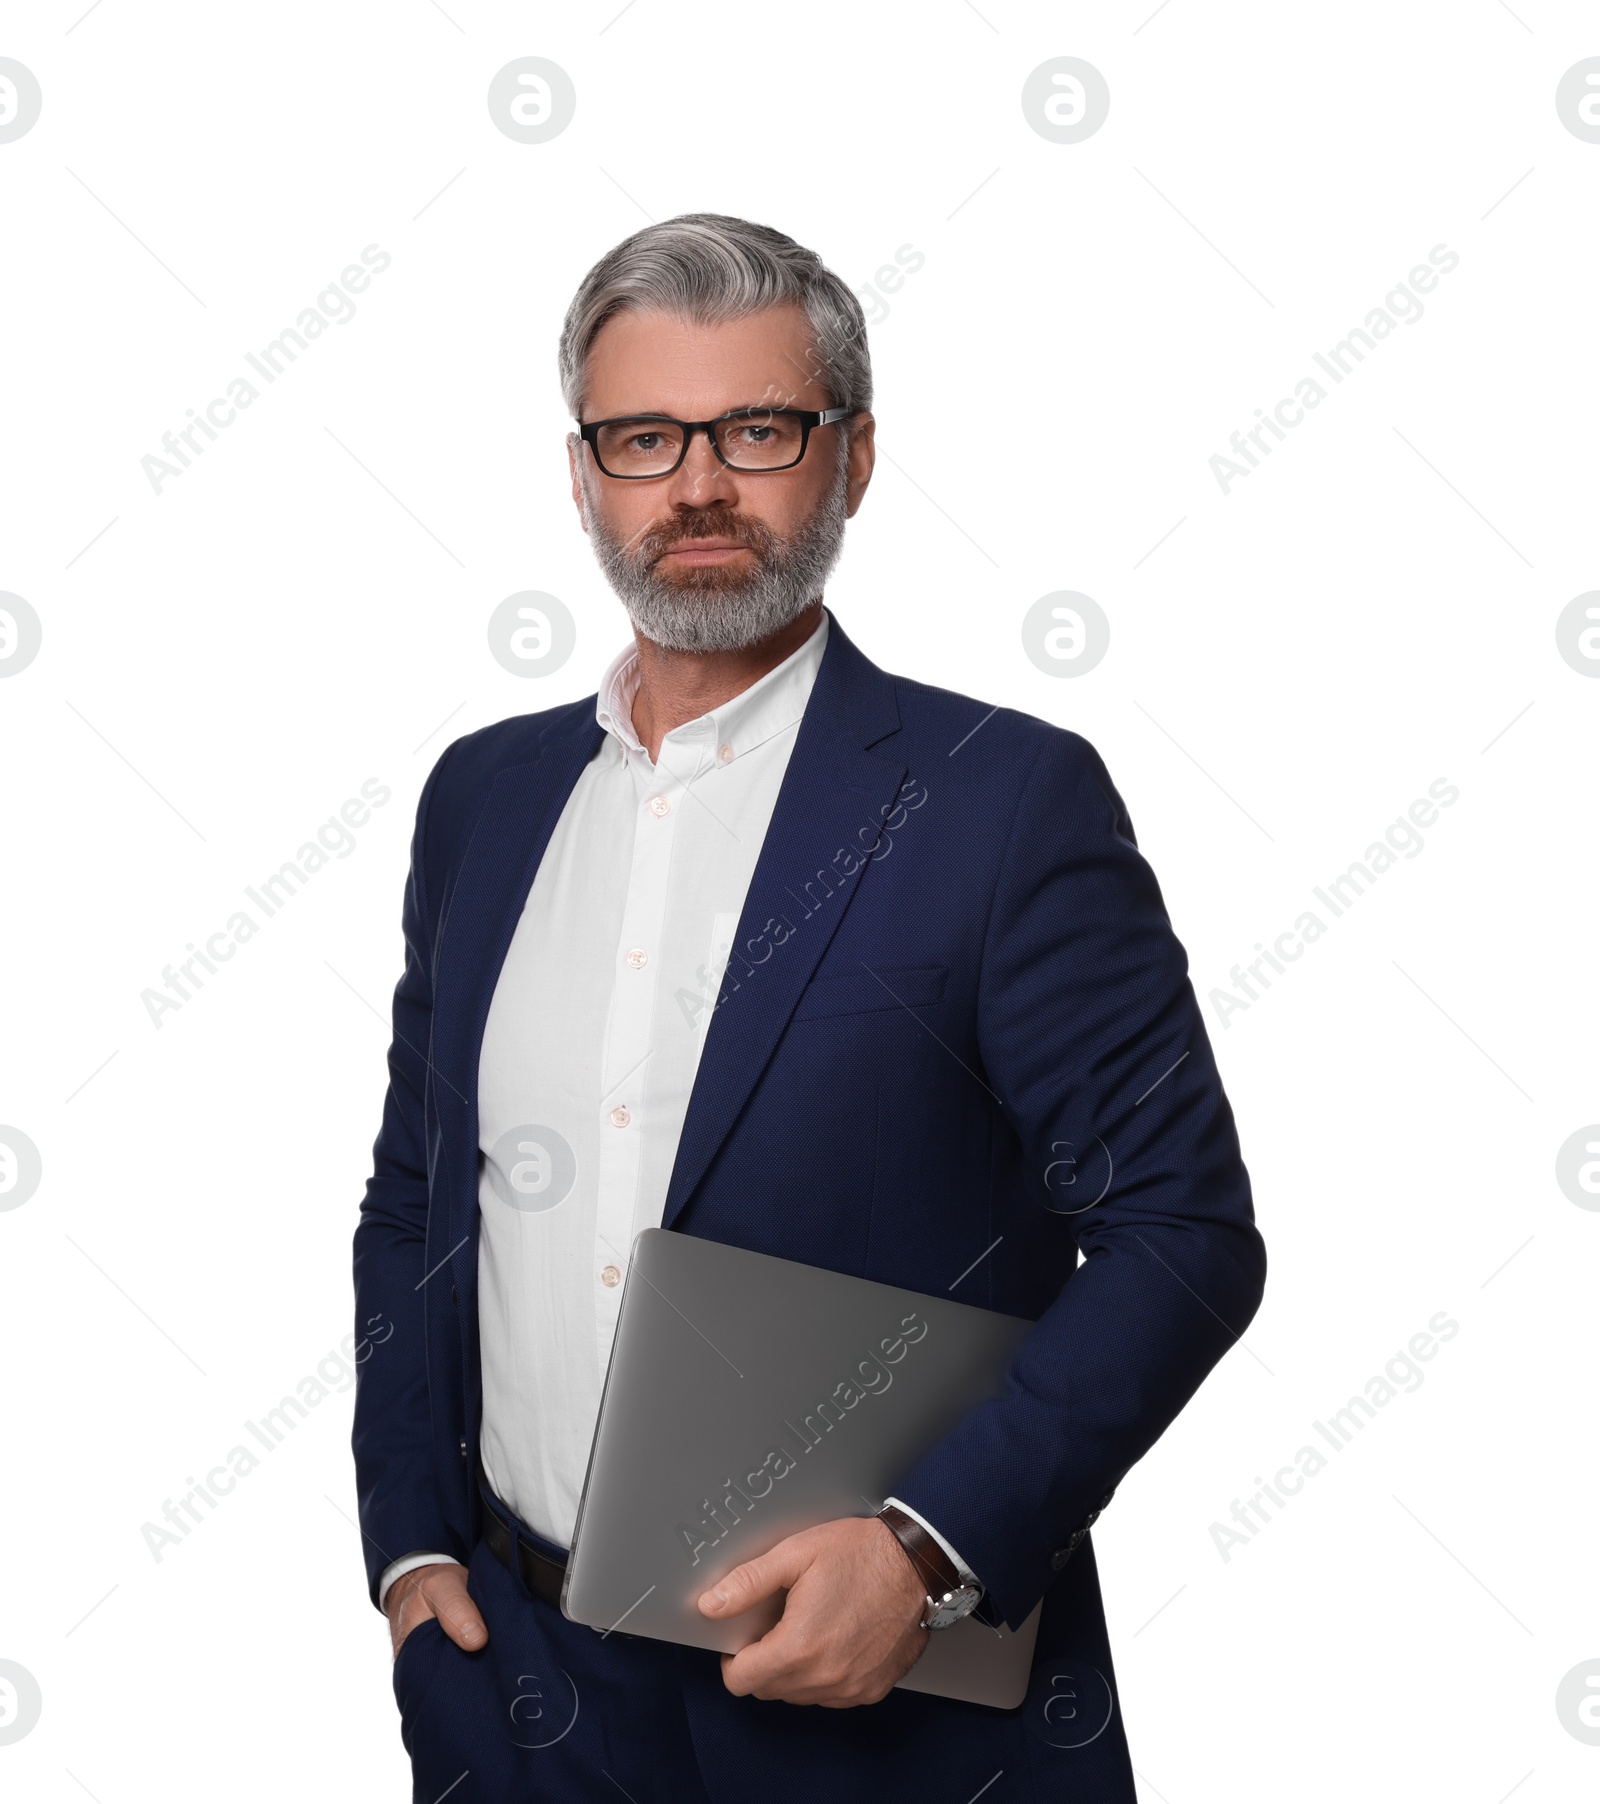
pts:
[765, 945]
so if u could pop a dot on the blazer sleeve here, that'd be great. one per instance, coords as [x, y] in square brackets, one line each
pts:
[1090, 1030]
[392, 1436]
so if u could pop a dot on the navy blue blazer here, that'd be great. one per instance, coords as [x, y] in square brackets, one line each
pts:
[955, 1015]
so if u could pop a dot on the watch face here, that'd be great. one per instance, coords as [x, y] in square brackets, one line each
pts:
[952, 1606]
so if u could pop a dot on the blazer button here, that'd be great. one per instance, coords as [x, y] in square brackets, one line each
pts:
[463, 1446]
[1060, 1557]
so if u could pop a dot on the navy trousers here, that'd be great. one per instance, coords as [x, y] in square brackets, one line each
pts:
[552, 1709]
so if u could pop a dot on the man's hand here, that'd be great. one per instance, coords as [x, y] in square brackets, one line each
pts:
[851, 1624]
[434, 1591]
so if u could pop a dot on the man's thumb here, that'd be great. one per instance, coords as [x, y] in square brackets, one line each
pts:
[458, 1614]
[736, 1591]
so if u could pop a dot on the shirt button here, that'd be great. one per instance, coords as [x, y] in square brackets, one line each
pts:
[610, 1277]
[724, 754]
[637, 959]
[620, 1116]
[659, 806]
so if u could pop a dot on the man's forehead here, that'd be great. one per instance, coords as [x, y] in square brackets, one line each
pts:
[664, 363]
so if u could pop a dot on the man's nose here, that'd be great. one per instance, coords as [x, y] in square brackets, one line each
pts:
[702, 478]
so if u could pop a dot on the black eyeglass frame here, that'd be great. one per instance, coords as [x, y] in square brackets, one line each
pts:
[809, 420]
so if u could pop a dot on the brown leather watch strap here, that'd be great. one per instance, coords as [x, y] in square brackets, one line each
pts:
[934, 1566]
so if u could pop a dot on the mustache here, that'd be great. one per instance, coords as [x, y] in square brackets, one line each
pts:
[705, 523]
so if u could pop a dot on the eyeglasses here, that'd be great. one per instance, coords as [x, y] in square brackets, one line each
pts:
[641, 446]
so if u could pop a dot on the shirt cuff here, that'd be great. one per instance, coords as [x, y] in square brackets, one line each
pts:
[397, 1568]
[968, 1576]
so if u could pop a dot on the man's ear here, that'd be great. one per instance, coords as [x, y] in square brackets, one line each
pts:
[574, 452]
[862, 457]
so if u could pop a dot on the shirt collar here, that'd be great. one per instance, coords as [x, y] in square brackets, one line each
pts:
[771, 704]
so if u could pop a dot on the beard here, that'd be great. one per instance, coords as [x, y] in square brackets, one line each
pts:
[712, 607]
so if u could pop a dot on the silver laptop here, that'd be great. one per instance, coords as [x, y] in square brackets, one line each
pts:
[750, 1397]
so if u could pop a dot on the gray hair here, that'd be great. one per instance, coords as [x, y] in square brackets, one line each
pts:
[709, 267]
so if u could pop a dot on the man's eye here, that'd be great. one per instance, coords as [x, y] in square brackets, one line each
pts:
[645, 441]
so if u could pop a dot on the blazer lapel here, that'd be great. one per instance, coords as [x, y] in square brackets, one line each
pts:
[835, 796]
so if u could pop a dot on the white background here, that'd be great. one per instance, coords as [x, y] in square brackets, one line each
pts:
[1372, 609]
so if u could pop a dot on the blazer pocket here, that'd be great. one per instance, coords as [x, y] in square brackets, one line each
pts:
[883, 987]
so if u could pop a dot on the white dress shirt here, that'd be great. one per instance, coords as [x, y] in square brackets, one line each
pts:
[589, 1054]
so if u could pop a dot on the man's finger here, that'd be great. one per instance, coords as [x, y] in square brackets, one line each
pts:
[766, 1666]
[459, 1617]
[734, 1593]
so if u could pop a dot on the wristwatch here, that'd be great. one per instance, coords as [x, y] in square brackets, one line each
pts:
[949, 1596]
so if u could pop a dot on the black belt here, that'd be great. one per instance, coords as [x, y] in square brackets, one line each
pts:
[540, 1573]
